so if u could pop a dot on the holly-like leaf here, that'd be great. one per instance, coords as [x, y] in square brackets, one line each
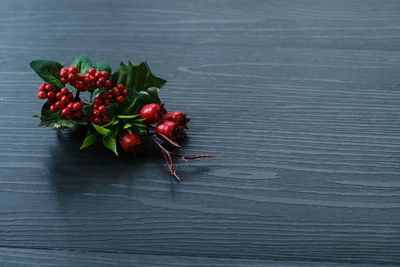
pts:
[101, 130]
[90, 139]
[120, 75]
[111, 143]
[49, 71]
[102, 65]
[153, 91]
[83, 63]
[130, 76]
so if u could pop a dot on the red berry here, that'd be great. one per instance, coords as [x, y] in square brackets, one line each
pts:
[73, 69]
[120, 99]
[58, 105]
[92, 71]
[70, 105]
[97, 75]
[108, 84]
[42, 87]
[42, 95]
[106, 102]
[115, 92]
[79, 85]
[64, 74]
[105, 119]
[125, 92]
[102, 109]
[96, 113]
[65, 111]
[51, 95]
[65, 100]
[48, 87]
[130, 142]
[78, 114]
[97, 120]
[53, 108]
[87, 80]
[80, 76]
[77, 105]
[105, 74]
[71, 77]
[121, 86]
[152, 113]
[178, 117]
[98, 101]
[63, 80]
[64, 91]
[64, 69]
[167, 128]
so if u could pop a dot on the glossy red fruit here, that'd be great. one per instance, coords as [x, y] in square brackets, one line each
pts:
[77, 105]
[130, 142]
[178, 117]
[152, 113]
[73, 69]
[42, 95]
[92, 71]
[168, 129]
[120, 99]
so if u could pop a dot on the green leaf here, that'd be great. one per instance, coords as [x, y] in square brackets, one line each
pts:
[90, 139]
[83, 63]
[101, 130]
[147, 98]
[130, 107]
[153, 91]
[111, 143]
[47, 117]
[120, 75]
[130, 78]
[98, 91]
[67, 123]
[127, 125]
[127, 116]
[49, 71]
[103, 65]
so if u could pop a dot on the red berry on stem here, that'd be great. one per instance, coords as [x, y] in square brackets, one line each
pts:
[48, 87]
[97, 120]
[105, 74]
[71, 77]
[53, 108]
[152, 113]
[77, 105]
[108, 84]
[51, 95]
[42, 95]
[63, 80]
[102, 109]
[65, 112]
[130, 142]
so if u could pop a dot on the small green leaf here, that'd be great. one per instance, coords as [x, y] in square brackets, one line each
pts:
[49, 71]
[101, 130]
[127, 116]
[89, 140]
[130, 107]
[67, 123]
[98, 91]
[111, 143]
[127, 125]
[102, 65]
[83, 63]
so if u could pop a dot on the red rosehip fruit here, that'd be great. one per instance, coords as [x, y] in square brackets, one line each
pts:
[130, 142]
[152, 113]
[168, 129]
[178, 117]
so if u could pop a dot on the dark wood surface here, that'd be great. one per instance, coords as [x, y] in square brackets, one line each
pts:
[298, 101]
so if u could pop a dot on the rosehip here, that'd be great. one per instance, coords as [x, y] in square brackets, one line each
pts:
[152, 113]
[42, 95]
[178, 117]
[168, 129]
[130, 142]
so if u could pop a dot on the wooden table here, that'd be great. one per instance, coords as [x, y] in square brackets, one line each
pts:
[299, 102]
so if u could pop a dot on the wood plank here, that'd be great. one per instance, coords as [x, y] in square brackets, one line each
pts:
[298, 101]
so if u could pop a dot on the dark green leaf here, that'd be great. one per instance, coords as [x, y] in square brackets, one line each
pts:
[153, 91]
[83, 63]
[130, 76]
[120, 75]
[102, 65]
[111, 143]
[90, 139]
[101, 130]
[67, 123]
[49, 71]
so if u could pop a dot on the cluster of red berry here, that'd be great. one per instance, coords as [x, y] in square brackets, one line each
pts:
[100, 114]
[73, 110]
[170, 126]
[82, 82]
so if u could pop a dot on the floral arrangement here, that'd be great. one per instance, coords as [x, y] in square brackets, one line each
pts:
[121, 109]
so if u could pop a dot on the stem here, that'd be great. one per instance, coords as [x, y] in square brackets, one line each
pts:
[168, 154]
[77, 95]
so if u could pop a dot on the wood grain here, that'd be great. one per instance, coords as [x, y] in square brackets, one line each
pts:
[298, 101]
